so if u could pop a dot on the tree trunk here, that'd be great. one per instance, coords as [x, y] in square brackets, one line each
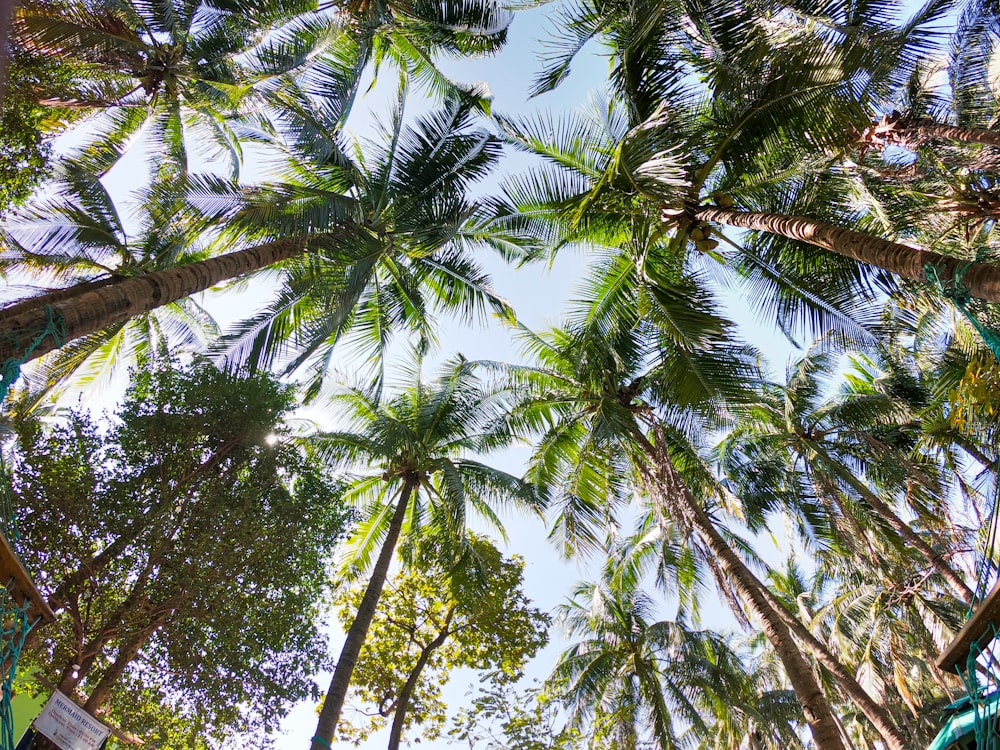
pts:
[981, 279]
[875, 713]
[906, 130]
[126, 655]
[668, 485]
[333, 704]
[403, 702]
[21, 332]
[51, 296]
[962, 592]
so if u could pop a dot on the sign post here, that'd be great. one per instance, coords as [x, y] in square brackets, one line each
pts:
[69, 726]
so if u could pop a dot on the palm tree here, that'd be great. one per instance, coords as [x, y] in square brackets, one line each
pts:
[412, 457]
[414, 228]
[76, 236]
[763, 140]
[841, 452]
[369, 247]
[600, 434]
[618, 677]
[179, 70]
[410, 36]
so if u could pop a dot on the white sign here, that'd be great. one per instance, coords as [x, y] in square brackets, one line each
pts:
[69, 726]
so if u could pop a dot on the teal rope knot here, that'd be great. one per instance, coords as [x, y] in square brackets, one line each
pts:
[11, 369]
[956, 290]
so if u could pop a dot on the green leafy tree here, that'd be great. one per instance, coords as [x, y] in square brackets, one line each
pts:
[191, 533]
[413, 461]
[432, 619]
[502, 717]
[369, 247]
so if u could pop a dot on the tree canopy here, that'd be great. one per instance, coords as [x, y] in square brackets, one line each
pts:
[834, 164]
[185, 544]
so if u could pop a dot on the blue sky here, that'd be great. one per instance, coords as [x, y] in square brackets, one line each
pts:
[540, 295]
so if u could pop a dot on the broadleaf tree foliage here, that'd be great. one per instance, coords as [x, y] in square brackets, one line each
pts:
[434, 618]
[186, 547]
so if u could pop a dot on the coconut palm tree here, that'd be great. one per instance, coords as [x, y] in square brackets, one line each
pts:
[848, 454]
[77, 236]
[188, 72]
[170, 67]
[413, 458]
[610, 426]
[369, 247]
[416, 232]
[764, 141]
[618, 676]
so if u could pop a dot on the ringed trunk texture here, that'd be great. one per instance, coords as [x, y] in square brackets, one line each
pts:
[99, 308]
[815, 706]
[329, 715]
[981, 279]
[922, 129]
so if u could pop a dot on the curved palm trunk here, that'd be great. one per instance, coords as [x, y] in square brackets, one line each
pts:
[403, 703]
[908, 535]
[333, 704]
[815, 706]
[981, 279]
[113, 303]
[907, 130]
[876, 714]
[880, 719]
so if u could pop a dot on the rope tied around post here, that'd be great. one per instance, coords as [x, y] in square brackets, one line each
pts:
[956, 290]
[11, 369]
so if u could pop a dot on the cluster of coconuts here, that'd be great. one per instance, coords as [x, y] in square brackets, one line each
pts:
[701, 236]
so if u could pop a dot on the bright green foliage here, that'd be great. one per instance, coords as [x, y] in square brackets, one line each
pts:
[185, 547]
[502, 718]
[24, 149]
[473, 614]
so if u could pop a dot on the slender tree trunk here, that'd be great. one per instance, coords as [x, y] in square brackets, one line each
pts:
[403, 702]
[728, 561]
[873, 711]
[329, 715]
[908, 535]
[907, 130]
[981, 279]
[20, 332]
[668, 486]
[127, 652]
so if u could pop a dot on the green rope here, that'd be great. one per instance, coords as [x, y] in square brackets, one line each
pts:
[956, 290]
[14, 623]
[979, 675]
[11, 369]
[13, 632]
